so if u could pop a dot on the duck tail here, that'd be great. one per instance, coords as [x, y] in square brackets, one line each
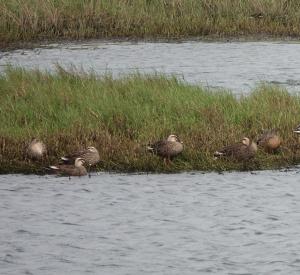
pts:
[149, 148]
[297, 129]
[64, 159]
[218, 154]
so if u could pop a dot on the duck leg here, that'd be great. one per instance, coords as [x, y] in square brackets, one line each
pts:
[167, 161]
[245, 166]
[90, 171]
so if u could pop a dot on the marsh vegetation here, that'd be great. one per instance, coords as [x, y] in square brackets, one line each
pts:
[35, 20]
[72, 110]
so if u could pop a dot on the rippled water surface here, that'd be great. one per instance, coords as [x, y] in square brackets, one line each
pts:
[238, 66]
[191, 223]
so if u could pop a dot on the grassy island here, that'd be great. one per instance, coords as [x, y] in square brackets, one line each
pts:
[35, 20]
[70, 110]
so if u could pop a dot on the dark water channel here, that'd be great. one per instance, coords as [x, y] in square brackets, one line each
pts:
[190, 223]
[238, 66]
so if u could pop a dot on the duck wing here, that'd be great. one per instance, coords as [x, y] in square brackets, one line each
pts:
[158, 146]
[231, 150]
[69, 159]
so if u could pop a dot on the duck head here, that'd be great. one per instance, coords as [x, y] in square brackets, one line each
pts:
[92, 149]
[174, 138]
[246, 141]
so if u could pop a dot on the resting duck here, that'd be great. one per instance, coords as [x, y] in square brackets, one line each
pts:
[269, 140]
[76, 169]
[90, 156]
[240, 151]
[167, 148]
[36, 149]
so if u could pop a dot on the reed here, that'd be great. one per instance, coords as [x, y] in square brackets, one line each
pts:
[34, 20]
[70, 110]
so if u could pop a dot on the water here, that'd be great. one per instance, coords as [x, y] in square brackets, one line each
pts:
[238, 66]
[190, 223]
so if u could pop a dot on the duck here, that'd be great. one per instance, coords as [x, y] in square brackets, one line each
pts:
[168, 148]
[241, 151]
[90, 155]
[77, 169]
[36, 149]
[269, 140]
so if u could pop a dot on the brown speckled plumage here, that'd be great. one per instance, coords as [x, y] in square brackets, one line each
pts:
[76, 169]
[90, 156]
[36, 149]
[269, 140]
[168, 148]
[240, 151]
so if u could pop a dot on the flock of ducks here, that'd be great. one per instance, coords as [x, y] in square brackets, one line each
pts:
[269, 141]
[75, 163]
[72, 164]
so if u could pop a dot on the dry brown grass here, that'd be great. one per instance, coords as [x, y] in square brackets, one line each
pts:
[80, 19]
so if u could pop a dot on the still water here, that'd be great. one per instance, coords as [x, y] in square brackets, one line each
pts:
[190, 223]
[238, 66]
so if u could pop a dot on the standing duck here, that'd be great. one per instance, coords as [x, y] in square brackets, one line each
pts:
[36, 149]
[241, 151]
[167, 148]
[77, 169]
[269, 140]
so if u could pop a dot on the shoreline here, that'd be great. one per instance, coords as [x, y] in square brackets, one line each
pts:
[204, 39]
[259, 163]
[40, 171]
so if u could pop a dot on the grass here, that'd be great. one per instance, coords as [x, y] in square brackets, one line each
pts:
[71, 110]
[33, 20]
